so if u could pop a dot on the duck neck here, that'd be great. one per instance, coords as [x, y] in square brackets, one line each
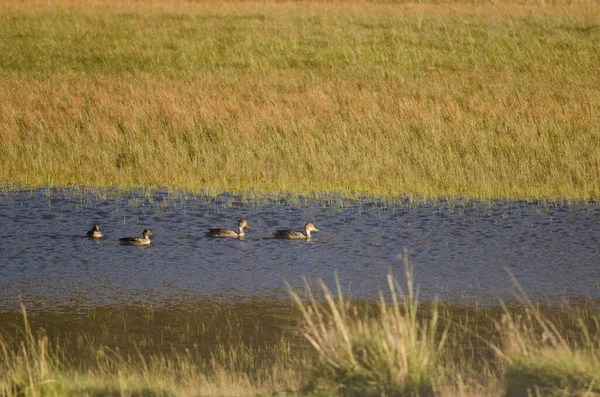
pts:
[307, 232]
[241, 231]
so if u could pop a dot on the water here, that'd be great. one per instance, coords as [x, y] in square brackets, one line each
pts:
[460, 250]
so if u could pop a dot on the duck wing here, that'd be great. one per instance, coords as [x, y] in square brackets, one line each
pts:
[288, 234]
[218, 232]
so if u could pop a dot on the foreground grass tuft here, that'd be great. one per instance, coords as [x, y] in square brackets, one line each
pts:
[541, 361]
[32, 366]
[358, 349]
[29, 369]
[554, 372]
[392, 353]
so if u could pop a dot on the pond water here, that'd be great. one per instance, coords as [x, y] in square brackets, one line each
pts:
[460, 250]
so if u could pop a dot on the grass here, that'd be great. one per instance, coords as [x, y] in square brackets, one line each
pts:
[30, 369]
[448, 99]
[226, 362]
[542, 361]
[395, 348]
[392, 353]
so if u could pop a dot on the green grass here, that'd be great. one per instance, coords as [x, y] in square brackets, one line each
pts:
[340, 347]
[451, 99]
[543, 361]
[392, 353]
[225, 356]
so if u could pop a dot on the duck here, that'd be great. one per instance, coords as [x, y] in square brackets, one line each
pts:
[242, 223]
[293, 234]
[139, 241]
[94, 232]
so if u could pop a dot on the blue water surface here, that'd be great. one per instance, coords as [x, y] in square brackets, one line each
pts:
[460, 250]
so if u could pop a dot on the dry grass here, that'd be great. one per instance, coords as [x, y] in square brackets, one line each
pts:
[542, 361]
[31, 364]
[485, 100]
[30, 368]
[393, 349]
[394, 353]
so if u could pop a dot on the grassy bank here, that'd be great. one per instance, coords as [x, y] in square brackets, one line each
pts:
[332, 346]
[457, 98]
[197, 348]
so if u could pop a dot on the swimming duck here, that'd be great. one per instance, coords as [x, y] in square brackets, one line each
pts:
[293, 234]
[242, 223]
[94, 232]
[137, 240]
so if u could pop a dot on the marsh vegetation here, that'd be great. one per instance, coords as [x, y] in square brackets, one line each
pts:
[329, 344]
[460, 99]
[478, 99]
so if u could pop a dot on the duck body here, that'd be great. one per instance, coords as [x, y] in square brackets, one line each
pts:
[294, 234]
[94, 232]
[138, 241]
[242, 223]
[290, 234]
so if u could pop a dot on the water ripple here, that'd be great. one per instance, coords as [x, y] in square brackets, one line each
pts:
[458, 249]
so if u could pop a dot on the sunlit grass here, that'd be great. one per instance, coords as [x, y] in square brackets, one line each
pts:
[393, 353]
[125, 362]
[396, 347]
[452, 99]
[543, 361]
[30, 368]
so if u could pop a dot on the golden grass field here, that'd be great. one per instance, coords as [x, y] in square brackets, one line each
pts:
[478, 99]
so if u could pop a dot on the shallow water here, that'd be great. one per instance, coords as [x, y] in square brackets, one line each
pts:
[459, 250]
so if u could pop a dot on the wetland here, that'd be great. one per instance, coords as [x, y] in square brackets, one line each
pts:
[447, 151]
[222, 305]
[460, 249]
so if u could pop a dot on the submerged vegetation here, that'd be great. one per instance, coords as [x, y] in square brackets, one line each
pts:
[478, 99]
[336, 346]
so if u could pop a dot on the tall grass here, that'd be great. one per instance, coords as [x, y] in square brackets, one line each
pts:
[32, 365]
[30, 368]
[457, 98]
[393, 353]
[393, 348]
[541, 361]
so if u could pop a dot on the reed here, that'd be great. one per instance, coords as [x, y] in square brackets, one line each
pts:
[459, 98]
